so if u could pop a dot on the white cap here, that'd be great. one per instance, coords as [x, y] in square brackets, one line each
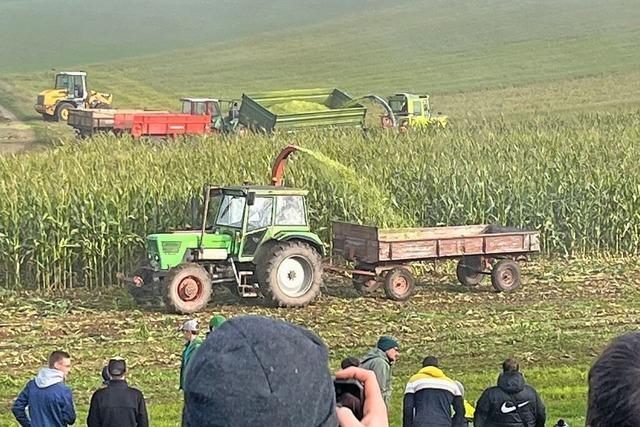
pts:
[190, 325]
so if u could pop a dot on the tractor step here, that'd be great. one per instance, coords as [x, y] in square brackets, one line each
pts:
[246, 289]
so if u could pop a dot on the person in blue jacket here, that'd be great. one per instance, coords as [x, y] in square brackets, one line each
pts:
[48, 399]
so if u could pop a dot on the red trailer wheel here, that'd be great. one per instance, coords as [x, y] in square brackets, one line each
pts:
[399, 284]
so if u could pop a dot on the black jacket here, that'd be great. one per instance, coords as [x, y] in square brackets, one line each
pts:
[117, 405]
[512, 403]
[428, 399]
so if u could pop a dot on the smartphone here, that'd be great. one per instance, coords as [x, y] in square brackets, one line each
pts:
[350, 394]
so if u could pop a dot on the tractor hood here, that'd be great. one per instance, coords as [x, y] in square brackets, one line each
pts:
[166, 250]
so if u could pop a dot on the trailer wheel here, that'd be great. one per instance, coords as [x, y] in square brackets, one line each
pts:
[290, 274]
[399, 284]
[469, 270]
[505, 276]
[365, 285]
[188, 288]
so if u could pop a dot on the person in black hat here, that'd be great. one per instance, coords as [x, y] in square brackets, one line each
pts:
[258, 371]
[117, 405]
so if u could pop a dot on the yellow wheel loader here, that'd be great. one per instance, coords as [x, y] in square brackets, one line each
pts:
[70, 91]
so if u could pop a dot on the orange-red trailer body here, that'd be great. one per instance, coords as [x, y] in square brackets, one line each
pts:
[162, 124]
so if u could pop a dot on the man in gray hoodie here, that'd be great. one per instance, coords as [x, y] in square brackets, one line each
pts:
[379, 360]
[49, 400]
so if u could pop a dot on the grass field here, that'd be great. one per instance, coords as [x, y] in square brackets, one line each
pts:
[555, 325]
[544, 100]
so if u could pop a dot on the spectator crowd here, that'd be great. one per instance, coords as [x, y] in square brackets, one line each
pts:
[257, 371]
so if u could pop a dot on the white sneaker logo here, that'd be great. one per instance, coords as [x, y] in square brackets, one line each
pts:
[506, 409]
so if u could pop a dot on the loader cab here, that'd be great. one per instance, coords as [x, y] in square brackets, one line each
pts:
[253, 215]
[74, 83]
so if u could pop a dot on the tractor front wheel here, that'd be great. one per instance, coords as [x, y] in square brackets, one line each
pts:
[62, 111]
[188, 288]
[290, 275]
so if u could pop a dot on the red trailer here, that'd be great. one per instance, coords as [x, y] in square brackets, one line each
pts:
[161, 124]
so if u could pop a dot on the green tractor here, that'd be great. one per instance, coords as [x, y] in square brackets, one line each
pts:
[254, 239]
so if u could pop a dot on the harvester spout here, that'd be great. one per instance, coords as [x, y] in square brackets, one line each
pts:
[277, 172]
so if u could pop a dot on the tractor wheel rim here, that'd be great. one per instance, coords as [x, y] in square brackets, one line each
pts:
[295, 276]
[64, 114]
[400, 285]
[189, 289]
[507, 278]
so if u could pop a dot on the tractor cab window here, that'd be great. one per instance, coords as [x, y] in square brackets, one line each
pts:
[201, 108]
[260, 213]
[290, 211]
[186, 107]
[398, 105]
[215, 109]
[231, 211]
[417, 108]
[64, 81]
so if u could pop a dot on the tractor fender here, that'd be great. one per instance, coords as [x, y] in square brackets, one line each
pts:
[310, 239]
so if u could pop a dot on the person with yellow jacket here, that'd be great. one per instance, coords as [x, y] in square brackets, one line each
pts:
[431, 399]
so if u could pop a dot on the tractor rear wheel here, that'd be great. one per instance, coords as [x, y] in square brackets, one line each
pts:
[188, 288]
[62, 111]
[290, 275]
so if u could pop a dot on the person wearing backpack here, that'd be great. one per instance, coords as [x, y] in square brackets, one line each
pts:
[512, 403]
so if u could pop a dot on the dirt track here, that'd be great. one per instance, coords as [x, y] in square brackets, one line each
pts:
[15, 136]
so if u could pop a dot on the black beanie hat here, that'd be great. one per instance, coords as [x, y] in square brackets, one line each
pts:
[257, 371]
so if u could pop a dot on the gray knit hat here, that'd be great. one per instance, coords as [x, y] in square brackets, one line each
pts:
[257, 371]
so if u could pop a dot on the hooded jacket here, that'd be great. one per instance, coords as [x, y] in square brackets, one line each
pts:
[428, 399]
[188, 352]
[49, 400]
[377, 361]
[512, 403]
[117, 405]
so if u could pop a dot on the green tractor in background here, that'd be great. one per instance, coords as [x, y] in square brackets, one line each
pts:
[254, 239]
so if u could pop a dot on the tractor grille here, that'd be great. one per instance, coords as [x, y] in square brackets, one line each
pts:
[40, 100]
[170, 248]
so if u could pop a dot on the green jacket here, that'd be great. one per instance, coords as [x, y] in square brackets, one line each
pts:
[190, 349]
[377, 361]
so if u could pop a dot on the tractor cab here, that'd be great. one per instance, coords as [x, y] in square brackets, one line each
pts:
[253, 215]
[221, 119]
[415, 111]
[69, 91]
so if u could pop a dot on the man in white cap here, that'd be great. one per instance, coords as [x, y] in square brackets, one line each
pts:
[192, 343]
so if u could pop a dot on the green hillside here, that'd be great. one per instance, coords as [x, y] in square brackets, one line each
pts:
[495, 57]
[60, 33]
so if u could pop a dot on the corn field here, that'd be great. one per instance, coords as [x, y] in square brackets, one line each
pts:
[77, 214]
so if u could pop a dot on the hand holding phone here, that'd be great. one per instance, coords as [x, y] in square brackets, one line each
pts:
[374, 409]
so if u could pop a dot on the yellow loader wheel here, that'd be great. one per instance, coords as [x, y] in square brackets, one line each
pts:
[62, 111]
